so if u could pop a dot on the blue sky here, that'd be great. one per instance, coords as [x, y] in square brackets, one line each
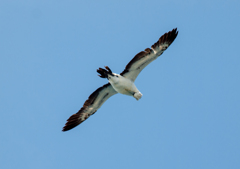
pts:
[188, 116]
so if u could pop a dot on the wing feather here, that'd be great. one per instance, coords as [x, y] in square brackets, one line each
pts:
[143, 58]
[91, 105]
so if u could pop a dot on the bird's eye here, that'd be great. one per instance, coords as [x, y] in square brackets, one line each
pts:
[116, 75]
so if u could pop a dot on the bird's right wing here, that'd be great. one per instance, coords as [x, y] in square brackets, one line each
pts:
[142, 59]
[91, 105]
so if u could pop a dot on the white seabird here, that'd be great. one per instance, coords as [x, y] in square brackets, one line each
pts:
[121, 83]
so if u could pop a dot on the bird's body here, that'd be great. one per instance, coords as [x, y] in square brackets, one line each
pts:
[121, 83]
[124, 86]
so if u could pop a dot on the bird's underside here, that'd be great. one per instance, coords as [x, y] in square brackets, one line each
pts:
[121, 83]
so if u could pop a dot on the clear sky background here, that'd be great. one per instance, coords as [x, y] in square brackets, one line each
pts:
[188, 117]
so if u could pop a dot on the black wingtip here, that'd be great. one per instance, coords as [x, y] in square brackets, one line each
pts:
[72, 122]
[175, 31]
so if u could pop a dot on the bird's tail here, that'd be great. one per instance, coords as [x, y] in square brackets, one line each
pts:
[104, 72]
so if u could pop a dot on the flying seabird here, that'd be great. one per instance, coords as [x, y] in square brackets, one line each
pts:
[121, 83]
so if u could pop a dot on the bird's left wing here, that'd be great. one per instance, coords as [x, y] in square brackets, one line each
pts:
[91, 105]
[142, 59]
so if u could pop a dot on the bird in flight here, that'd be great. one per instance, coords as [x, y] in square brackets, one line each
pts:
[121, 83]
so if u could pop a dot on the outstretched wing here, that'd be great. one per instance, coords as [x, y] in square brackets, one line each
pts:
[91, 105]
[142, 59]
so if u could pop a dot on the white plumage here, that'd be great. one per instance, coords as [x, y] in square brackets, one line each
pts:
[124, 85]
